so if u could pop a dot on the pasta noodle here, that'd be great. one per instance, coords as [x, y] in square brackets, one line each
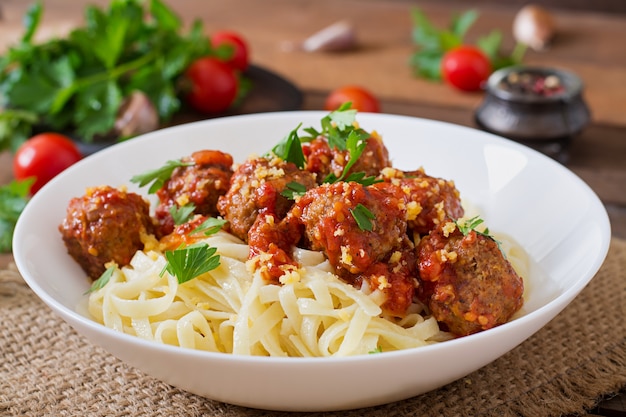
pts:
[232, 310]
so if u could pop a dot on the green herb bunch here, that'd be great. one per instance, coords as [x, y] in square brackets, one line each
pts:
[433, 43]
[77, 83]
[13, 199]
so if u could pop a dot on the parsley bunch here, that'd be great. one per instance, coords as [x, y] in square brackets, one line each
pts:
[13, 199]
[434, 42]
[78, 83]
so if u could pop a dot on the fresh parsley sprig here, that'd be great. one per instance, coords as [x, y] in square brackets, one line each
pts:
[469, 225]
[102, 280]
[160, 175]
[337, 127]
[434, 42]
[362, 179]
[15, 127]
[182, 214]
[13, 198]
[293, 190]
[187, 263]
[77, 83]
[363, 217]
[355, 145]
[290, 148]
[210, 226]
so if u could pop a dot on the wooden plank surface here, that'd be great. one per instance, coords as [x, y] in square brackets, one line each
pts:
[587, 44]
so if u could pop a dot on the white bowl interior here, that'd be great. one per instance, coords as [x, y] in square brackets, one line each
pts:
[555, 216]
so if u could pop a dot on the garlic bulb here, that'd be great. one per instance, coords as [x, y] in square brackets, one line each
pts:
[339, 36]
[534, 26]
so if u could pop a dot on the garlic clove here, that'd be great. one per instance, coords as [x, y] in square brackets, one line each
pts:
[137, 115]
[534, 26]
[339, 36]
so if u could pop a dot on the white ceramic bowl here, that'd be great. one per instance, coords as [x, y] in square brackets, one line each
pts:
[554, 215]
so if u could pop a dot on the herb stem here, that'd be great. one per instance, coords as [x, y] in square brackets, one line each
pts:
[518, 52]
[19, 115]
[115, 72]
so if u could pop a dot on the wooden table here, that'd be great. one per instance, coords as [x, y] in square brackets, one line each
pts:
[589, 44]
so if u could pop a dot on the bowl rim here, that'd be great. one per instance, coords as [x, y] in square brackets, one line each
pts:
[527, 324]
[570, 292]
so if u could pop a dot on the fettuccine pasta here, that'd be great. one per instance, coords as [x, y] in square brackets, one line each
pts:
[233, 310]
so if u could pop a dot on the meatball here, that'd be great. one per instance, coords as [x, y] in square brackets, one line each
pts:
[468, 284]
[324, 160]
[328, 214]
[106, 224]
[375, 251]
[430, 200]
[200, 184]
[257, 185]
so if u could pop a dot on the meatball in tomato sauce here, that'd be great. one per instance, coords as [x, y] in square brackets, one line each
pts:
[204, 178]
[430, 200]
[322, 159]
[257, 185]
[467, 282]
[106, 224]
[362, 231]
[329, 214]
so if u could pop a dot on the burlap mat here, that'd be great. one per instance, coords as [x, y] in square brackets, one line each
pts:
[49, 370]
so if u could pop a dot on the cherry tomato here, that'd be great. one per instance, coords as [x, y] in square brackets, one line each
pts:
[44, 156]
[213, 85]
[465, 67]
[241, 57]
[362, 100]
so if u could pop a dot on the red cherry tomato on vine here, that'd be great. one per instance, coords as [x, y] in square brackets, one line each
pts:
[240, 57]
[213, 85]
[465, 67]
[44, 156]
[362, 100]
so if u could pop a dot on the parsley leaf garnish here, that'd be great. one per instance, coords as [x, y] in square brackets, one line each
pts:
[342, 119]
[102, 280]
[469, 225]
[293, 190]
[355, 145]
[363, 217]
[339, 127]
[13, 199]
[362, 179]
[182, 214]
[187, 263]
[210, 226]
[290, 149]
[379, 349]
[159, 176]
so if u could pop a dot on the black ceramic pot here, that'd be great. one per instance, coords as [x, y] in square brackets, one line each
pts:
[537, 106]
